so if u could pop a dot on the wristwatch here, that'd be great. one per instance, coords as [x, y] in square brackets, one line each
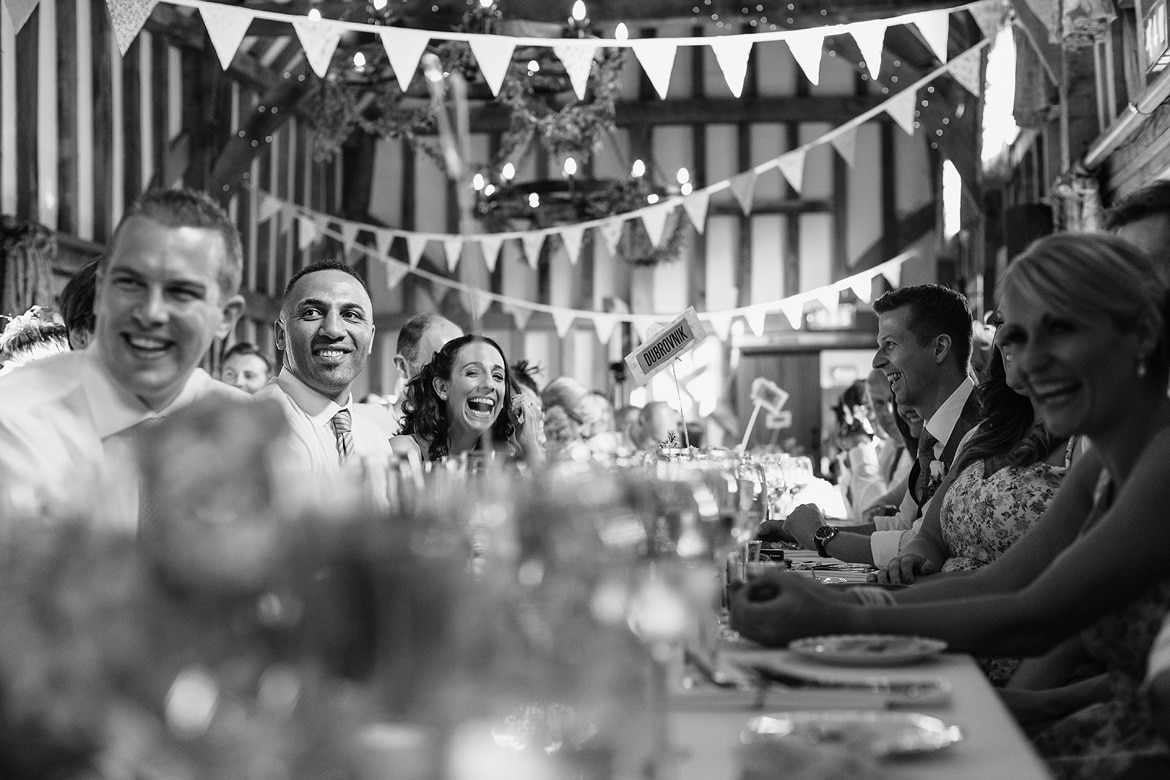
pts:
[822, 537]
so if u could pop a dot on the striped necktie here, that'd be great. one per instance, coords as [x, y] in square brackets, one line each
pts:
[343, 429]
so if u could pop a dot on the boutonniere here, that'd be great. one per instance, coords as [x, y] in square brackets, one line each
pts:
[938, 470]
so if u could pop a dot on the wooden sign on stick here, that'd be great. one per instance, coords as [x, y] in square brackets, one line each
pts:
[675, 340]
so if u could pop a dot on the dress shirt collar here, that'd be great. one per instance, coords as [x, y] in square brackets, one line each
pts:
[114, 408]
[942, 422]
[316, 407]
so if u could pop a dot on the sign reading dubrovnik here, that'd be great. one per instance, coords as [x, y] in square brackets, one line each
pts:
[676, 339]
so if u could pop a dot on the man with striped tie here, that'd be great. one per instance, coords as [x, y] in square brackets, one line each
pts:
[326, 332]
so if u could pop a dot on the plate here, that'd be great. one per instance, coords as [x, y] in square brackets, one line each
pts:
[867, 649]
[881, 734]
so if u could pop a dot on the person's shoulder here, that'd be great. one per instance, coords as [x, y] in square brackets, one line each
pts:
[405, 443]
[378, 417]
[208, 388]
[41, 383]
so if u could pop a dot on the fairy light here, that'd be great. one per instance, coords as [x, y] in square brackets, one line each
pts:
[621, 32]
[570, 167]
[638, 169]
[478, 182]
[359, 60]
[683, 176]
[579, 13]
[508, 172]
[533, 200]
[314, 15]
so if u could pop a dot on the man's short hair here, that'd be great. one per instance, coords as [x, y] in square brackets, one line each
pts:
[1150, 201]
[934, 310]
[322, 265]
[412, 332]
[247, 348]
[188, 208]
[77, 298]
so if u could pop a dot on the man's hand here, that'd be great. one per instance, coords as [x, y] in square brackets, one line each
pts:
[777, 607]
[802, 522]
[904, 569]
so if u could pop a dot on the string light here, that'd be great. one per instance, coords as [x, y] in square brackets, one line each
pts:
[508, 172]
[621, 32]
[314, 15]
[570, 167]
[533, 200]
[638, 169]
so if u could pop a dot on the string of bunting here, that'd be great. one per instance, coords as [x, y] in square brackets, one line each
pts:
[313, 225]
[901, 106]
[227, 25]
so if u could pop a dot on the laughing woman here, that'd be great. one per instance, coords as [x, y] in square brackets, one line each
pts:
[463, 401]
[1084, 322]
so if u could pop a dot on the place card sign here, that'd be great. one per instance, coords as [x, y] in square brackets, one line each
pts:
[675, 340]
[1156, 36]
[769, 395]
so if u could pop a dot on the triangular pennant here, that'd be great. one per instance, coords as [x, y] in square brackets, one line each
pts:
[490, 246]
[989, 17]
[793, 311]
[871, 39]
[563, 320]
[846, 145]
[453, 247]
[319, 39]
[611, 234]
[520, 315]
[791, 164]
[226, 26]
[829, 297]
[571, 237]
[696, 205]
[382, 240]
[404, 48]
[755, 317]
[654, 219]
[19, 11]
[862, 286]
[901, 108]
[604, 325]
[656, 55]
[743, 187]
[415, 246]
[577, 57]
[721, 323]
[967, 69]
[532, 245]
[349, 231]
[127, 17]
[395, 273]
[935, 28]
[493, 53]
[893, 274]
[309, 231]
[806, 47]
[269, 207]
[476, 302]
[645, 328]
[732, 52]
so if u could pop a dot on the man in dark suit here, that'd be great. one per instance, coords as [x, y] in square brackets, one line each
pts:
[924, 349]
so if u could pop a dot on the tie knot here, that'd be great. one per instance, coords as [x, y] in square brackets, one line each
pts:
[926, 444]
[342, 423]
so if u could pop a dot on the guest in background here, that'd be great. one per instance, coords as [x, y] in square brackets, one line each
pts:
[165, 290]
[77, 304]
[1143, 219]
[1084, 319]
[326, 332]
[659, 425]
[528, 400]
[32, 336]
[245, 367]
[894, 458]
[571, 417]
[462, 402]
[419, 339]
[858, 471]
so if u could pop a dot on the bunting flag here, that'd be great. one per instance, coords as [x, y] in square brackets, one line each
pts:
[415, 246]
[806, 46]
[654, 219]
[404, 48]
[830, 298]
[695, 205]
[967, 69]
[349, 231]
[476, 303]
[453, 247]
[308, 233]
[901, 108]
[571, 237]
[19, 11]
[989, 17]
[520, 315]
[755, 316]
[743, 187]
[577, 57]
[395, 273]
[127, 17]
[656, 56]
[720, 323]
[846, 145]
[893, 273]
[935, 29]
[611, 234]
[791, 164]
[533, 242]
[226, 26]
[490, 246]
[493, 54]
[563, 321]
[871, 40]
[382, 240]
[319, 39]
[646, 329]
[732, 52]
[793, 311]
[862, 287]
[269, 207]
[604, 324]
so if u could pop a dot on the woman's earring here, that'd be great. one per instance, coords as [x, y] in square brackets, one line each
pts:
[442, 396]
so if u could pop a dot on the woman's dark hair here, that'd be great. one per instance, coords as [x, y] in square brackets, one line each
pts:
[426, 413]
[525, 375]
[1008, 430]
